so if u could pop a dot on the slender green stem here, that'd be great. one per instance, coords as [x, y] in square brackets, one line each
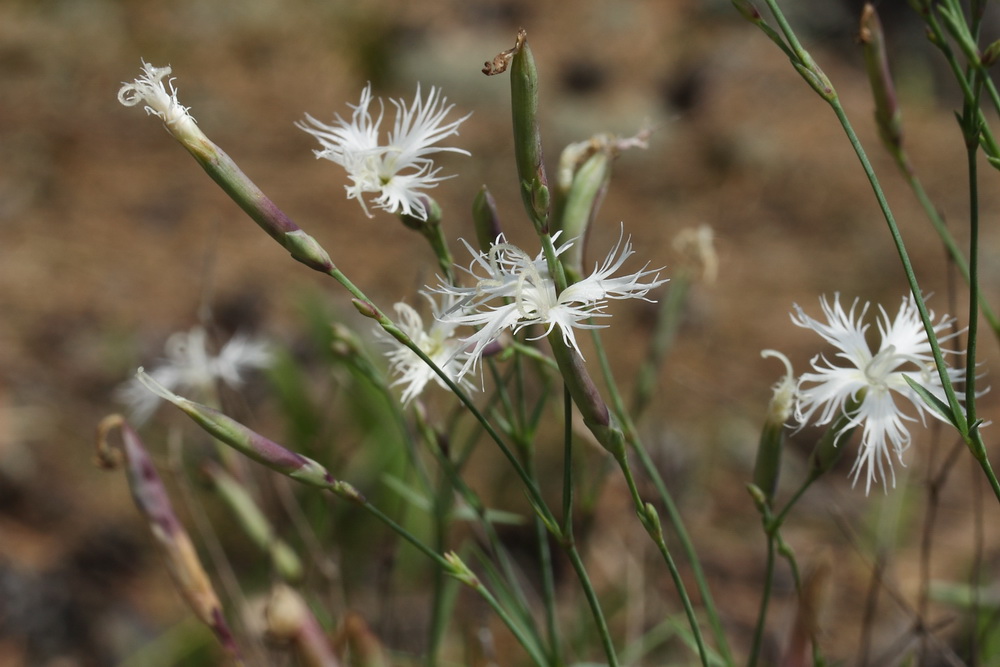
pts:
[518, 631]
[765, 603]
[435, 237]
[674, 515]
[657, 535]
[973, 330]
[549, 593]
[453, 483]
[390, 327]
[904, 258]
[595, 605]
[526, 642]
[967, 428]
[440, 609]
[567, 496]
[950, 244]
[938, 38]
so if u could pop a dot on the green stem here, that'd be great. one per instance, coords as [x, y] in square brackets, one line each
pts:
[950, 244]
[973, 330]
[567, 499]
[548, 592]
[807, 68]
[390, 327]
[765, 602]
[904, 258]
[435, 237]
[674, 515]
[523, 639]
[595, 605]
[937, 38]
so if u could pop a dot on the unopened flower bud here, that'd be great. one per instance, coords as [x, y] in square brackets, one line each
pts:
[458, 569]
[149, 90]
[746, 8]
[239, 437]
[485, 219]
[991, 54]
[527, 137]
[888, 117]
[767, 467]
[582, 181]
[154, 504]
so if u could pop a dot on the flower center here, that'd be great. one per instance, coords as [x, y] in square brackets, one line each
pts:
[878, 369]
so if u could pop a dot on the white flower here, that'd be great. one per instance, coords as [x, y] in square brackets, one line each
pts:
[783, 393]
[149, 90]
[190, 366]
[514, 291]
[397, 171]
[877, 380]
[437, 342]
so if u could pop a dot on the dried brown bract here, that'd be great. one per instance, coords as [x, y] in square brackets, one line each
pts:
[502, 59]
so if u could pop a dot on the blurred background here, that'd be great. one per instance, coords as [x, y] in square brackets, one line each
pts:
[112, 238]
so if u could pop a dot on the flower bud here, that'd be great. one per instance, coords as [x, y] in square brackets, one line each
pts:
[589, 185]
[888, 117]
[485, 219]
[458, 569]
[991, 54]
[154, 504]
[239, 437]
[150, 91]
[747, 9]
[527, 138]
[767, 467]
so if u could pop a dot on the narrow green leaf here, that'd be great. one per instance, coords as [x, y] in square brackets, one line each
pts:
[933, 402]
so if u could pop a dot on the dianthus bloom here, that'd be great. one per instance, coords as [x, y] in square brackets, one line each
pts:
[514, 290]
[876, 380]
[190, 366]
[438, 342]
[396, 172]
[149, 91]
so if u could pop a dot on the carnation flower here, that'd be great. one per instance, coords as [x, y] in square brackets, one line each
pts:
[397, 172]
[437, 342]
[514, 290]
[189, 366]
[877, 380]
[149, 91]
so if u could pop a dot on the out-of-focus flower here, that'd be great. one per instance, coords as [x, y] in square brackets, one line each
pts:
[397, 172]
[876, 380]
[514, 290]
[189, 366]
[437, 341]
